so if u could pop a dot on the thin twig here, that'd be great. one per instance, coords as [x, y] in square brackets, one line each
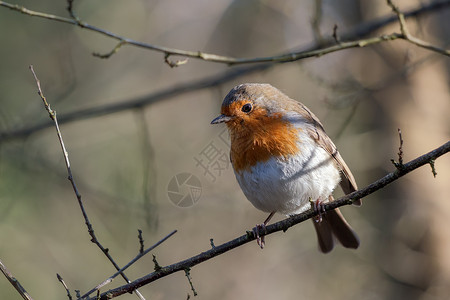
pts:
[279, 226]
[156, 266]
[335, 34]
[406, 35]
[14, 282]
[172, 63]
[70, 9]
[141, 241]
[223, 77]
[60, 279]
[433, 168]
[187, 272]
[140, 255]
[316, 21]
[288, 57]
[148, 184]
[400, 148]
[94, 239]
[399, 164]
[113, 51]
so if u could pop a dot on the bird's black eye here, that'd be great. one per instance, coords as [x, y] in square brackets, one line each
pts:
[247, 107]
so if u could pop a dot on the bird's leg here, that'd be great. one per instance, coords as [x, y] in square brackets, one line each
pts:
[319, 208]
[260, 239]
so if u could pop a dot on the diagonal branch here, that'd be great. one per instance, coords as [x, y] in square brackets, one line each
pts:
[279, 226]
[139, 256]
[94, 239]
[15, 283]
[60, 279]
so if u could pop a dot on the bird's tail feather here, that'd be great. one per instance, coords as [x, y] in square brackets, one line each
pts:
[333, 224]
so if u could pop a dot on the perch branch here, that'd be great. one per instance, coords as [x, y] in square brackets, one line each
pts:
[279, 226]
[94, 239]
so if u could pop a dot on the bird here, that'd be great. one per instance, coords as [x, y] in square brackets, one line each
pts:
[284, 161]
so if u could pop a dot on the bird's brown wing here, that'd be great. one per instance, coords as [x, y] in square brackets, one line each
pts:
[316, 131]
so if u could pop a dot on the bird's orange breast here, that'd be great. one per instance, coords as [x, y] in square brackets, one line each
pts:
[257, 137]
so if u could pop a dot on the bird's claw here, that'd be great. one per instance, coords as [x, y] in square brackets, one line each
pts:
[260, 240]
[319, 208]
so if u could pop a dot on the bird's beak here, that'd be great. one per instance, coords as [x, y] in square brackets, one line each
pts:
[221, 119]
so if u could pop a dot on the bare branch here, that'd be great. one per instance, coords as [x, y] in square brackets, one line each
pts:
[399, 164]
[70, 9]
[60, 279]
[15, 283]
[94, 239]
[335, 34]
[279, 226]
[406, 35]
[141, 242]
[400, 148]
[187, 272]
[156, 267]
[316, 20]
[141, 254]
[288, 57]
[113, 51]
[174, 64]
[433, 169]
[229, 75]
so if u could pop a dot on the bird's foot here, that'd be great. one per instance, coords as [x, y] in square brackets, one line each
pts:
[319, 208]
[260, 240]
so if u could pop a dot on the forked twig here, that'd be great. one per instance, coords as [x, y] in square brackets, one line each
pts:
[94, 239]
[141, 254]
[406, 35]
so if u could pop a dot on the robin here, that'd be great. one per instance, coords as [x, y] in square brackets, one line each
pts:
[284, 161]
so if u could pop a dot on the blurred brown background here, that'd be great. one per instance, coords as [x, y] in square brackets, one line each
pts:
[123, 162]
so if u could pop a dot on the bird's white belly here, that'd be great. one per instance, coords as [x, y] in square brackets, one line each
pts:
[285, 185]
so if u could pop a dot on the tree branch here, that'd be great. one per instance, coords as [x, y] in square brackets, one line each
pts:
[229, 75]
[139, 256]
[279, 226]
[90, 228]
[14, 282]
[288, 57]
[60, 279]
[406, 35]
